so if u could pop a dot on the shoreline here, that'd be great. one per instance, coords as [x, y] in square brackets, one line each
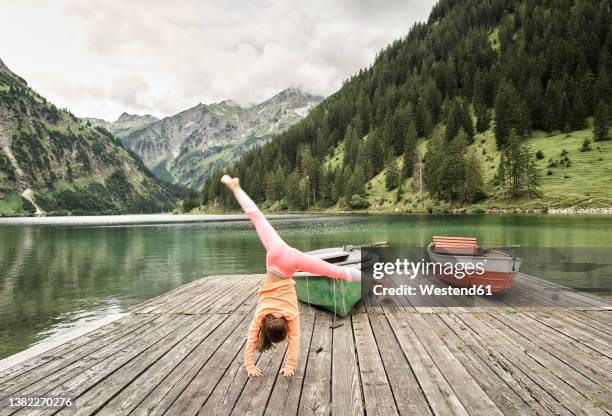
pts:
[454, 211]
[188, 217]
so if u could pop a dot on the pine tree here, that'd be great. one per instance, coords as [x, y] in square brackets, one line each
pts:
[434, 161]
[483, 118]
[534, 97]
[409, 151]
[304, 193]
[454, 167]
[578, 111]
[510, 113]
[601, 128]
[338, 186]
[423, 120]
[473, 187]
[392, 174]
[293, 191]
[375, 153]
[356, 185]
[603, 86]
[275, 185]
[417, 173]
[518, 173]
[458, 117]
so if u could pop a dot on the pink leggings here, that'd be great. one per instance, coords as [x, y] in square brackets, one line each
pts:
[284, 260]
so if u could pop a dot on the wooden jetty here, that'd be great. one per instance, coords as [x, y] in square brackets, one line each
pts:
[540, 349]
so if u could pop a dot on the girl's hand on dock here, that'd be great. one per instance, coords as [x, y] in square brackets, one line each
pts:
[287, 372]
[253, 372]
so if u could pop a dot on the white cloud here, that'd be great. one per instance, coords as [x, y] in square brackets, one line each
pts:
[151, 56]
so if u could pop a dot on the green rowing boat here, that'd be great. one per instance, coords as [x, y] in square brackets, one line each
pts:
[338, 296]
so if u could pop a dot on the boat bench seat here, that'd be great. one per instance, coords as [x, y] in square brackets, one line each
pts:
[455, 245]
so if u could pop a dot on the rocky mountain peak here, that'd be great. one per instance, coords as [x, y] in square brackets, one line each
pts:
[131, 118]
[185, 147]
[125, 116]
[229, 103]
[294, 95]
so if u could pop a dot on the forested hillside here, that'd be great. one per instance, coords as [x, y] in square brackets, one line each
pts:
[452, 113]
[51, 162]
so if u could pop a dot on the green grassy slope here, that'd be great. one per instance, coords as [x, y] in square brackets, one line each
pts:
[585, 183]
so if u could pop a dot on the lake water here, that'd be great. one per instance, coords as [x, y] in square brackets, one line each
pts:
[74, 272]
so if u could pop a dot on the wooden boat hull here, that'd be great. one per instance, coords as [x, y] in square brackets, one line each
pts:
[338, 296]
[499, 269]
[319, 291]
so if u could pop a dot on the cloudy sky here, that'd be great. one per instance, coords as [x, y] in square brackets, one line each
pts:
[100, 58]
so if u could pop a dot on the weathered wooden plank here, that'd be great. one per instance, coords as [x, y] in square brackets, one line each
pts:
[228, 389]
[596, 331]
[589, 298]
[180, 305]
[347, 398]
[224, 363]
[378, 396]
[402, 302]
[96, 385]
[593, 362]
[506, 392]
[57, 371]
[285, 397]
[247, 290]
[558, 365]
[587, 319]
[77, 347]
[221, 290]
[548, 380]
[574, 331]
[179, 294]
[546, 286]
[507, 369]
[85, 376]
[99, 395]
[553, 298]
[165, 392]
[408, 395]
[440, 396]
[537, 282]
[162, 298]
[254, 397]
[134, 393]
[603, 317]
[316, 391]
[473, 398]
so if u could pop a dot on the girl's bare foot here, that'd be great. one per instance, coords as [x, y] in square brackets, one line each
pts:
[233, 184]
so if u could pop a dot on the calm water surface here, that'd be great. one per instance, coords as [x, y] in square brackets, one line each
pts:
[57, 277]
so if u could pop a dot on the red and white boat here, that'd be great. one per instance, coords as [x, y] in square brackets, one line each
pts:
[498, 268]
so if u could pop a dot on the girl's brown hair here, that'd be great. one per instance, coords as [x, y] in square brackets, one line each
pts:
[272, 330]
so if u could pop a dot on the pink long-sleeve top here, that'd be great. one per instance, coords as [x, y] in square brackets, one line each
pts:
[279, 299]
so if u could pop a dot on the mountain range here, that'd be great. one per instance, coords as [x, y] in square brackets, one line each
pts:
[124, 125]
[186, 147]
[487, 105]
[52, 162]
